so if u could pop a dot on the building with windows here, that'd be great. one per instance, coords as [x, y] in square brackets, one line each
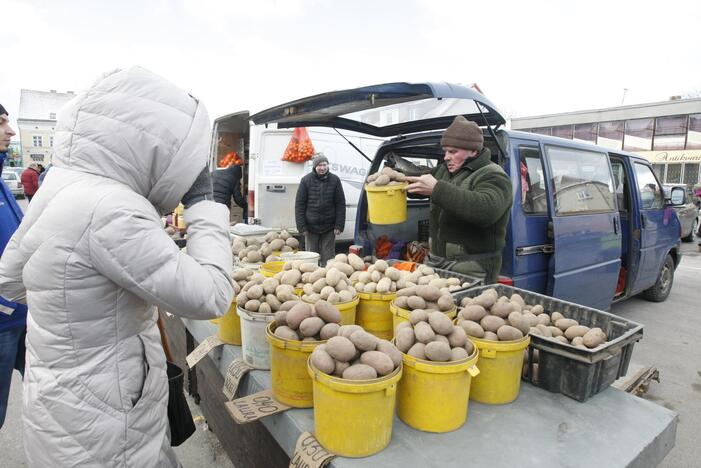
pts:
[666, 133]
[36, 122]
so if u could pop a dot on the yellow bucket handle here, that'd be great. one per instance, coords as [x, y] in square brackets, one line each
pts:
[391, 390]
[489, 353]
[473, 371]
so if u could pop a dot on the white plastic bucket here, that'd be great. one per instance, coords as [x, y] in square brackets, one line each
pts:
[254, 345]
[302, 255]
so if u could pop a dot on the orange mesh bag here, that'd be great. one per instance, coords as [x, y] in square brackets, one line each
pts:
[300, 147]
[230, 159]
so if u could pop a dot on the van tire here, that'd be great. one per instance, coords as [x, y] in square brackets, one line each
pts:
[662, 287]
[690, 237]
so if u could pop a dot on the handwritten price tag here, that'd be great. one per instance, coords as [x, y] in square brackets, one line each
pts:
[237, 369]
[309, 453]
[203, 349]
[253, 407]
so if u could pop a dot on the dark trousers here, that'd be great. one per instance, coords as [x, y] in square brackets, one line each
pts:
[11, 357]
[323, 244]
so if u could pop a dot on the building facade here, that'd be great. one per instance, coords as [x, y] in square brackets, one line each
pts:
[666, 133]
[37, 123]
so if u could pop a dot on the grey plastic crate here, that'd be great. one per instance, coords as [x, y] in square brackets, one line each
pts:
[562, 368]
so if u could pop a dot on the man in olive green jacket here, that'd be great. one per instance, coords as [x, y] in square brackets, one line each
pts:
[471, 201]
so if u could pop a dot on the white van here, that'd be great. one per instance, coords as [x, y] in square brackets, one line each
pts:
[272, 183]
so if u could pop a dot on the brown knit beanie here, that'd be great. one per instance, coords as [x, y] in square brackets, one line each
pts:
[318, 159]
[463, 134]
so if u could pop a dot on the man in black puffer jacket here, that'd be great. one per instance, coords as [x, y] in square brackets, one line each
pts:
[320, 209]
[226, 183]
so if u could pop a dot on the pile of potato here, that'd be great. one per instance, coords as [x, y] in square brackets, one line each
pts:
[432, 336]
[491, 317]
[424, 297]
[328, 284]
[255, 250]
[355, 354]
[382, 278]
[296, 320]
[387, 176]
[264, 295]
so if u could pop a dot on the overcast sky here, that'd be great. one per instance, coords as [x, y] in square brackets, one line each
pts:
[528, 57]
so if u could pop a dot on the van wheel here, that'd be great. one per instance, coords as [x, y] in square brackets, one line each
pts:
[690, 237]
[661, 289]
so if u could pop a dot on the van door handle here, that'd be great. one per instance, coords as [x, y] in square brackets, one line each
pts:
[615, 225]
[642, 220]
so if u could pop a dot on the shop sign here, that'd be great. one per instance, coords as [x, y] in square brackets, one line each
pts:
[309, 453]
[691, 156]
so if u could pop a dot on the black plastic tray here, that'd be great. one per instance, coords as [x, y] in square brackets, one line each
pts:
[562, 368]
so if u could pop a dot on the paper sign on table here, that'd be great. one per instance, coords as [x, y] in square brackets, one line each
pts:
[253, 407]
[237, 369]
[309, 453]
[201, 351]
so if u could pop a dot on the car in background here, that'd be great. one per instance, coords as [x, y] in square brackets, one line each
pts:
[682, 199]
[12, 179]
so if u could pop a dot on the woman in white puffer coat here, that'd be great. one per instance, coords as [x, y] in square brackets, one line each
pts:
[92, 262]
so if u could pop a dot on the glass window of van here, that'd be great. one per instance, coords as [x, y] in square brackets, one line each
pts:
[658, 169]
[693, 140]
[582, 181]
[648, 188]
[534, 199]
[638, 135]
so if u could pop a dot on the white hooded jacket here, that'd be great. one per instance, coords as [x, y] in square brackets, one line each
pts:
[92, 261]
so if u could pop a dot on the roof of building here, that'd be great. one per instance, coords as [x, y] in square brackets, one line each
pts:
[39, 105]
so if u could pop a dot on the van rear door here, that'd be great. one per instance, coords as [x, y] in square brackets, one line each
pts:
[586, 232]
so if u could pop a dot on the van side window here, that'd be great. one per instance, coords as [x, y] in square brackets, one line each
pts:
[620, 184]
[533, 197]
[582, 181]
[648, 188]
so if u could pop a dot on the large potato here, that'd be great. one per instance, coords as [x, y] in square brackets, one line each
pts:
[392, 273]
[356, 262]
[424, 333]
[564, 324]
[255, 291]
[438, 351]
[390, 350]
[347, 330]
[509, 333]
[418, 315]
[297, 313]
[485, 300]
[458, 354]
[445, 302]
[401, 302]
[328, 312]
[340, 348]
[473, 312]
[417, 351]
[291, 277]
[265, 308]
[323, 361]
[363, 340]
[252, 305]
[384, 285]
[472, 328]
[491, 323]
[458, 337]
[428, 293]
[379, 361]
[576, 330]
[416, 302]
[594, 338]
[311, 326]
[440, 323]
[286, 333]
[501, 309]
[405, 339]
[360, 372]
[329, 330]
[333, 276]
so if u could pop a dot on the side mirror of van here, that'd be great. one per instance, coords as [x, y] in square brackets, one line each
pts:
[677, 196]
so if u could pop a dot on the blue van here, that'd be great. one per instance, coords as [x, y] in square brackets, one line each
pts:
[588, 224]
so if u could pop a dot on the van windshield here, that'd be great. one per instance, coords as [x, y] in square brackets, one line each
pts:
[422, 109]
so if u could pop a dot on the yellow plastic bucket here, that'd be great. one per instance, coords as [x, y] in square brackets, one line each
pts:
[373, 314]
[386, 203]
[292, 384]
[230, 326]
[400, 315]
[270, 269]
[353, 418]
[434, 396]
[347, 310]
[500, 364]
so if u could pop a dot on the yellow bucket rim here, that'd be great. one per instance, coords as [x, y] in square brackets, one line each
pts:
[377, 296]
[292, 345]
[254, 316]
[346, 304]
[452, 367]
[273, 267]
[404, 313]
[514, 345]
[354, 386]
[385, 188]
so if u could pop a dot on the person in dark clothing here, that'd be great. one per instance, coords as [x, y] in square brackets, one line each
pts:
[320, 209]
[227, 184]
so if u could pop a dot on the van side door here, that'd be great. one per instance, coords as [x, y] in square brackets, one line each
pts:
[585, 264]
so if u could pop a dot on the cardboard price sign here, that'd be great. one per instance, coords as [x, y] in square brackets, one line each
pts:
[237, 369]
[201, 351]
[309, 453]
[253, 407]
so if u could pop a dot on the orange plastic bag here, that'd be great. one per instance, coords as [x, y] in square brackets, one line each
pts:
[300, 147]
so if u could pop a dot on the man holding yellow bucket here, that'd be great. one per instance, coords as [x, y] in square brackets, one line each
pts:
[471, 199]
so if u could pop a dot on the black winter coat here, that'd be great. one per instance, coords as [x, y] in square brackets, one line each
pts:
[227, 183]
[320, 205]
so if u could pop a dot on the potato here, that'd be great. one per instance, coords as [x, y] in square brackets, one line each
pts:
[381, 266]
[319, 285]
[333, 298]
[280, 318]
[516, 320]
[416, 302]
[577, 330]
[310, 326]
[537, 310]
[297, 313]
[491, 336]
[472, 328]
[313, 298]
[490, 323]
[255, 291]
[241, 299]
[401, 302]
[485, 300]
[287, 305]
[252, 305]
[292, 243]
[405, 339]
[273, 301]
[340, 348]
[376, 276]
[384, 285]
[392, 273]
[473, 312]
[418, 315]
[317, 274]
[578, 341]
[254, 257]
[340, 367]
[379, 361]
[561, 338]
[417, 351]
[466, 301]
[470, 347]
[501, 309]
[291, 277]
[531, 319]
[564, 324]
[329, 330]
[390, 350]
[544, 331]
[360, 372]
[428, 293]
[445, 302]
[363, 340]
[343, 258]
[535, 331]
[554, 317]
[458, 337]
[554, 331]
[509, 333]
[347, 330]
[265, 308]
[286, 333]
[543, 319]
[356, 262]
[440, 323]
[345, 296]
[517, 298]
[323, 361]
[307, 267]
[458, 354]
[328, 312]
[594, 338]
[424, 333]
[344, 268]
[438, 351]
[406, 292]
